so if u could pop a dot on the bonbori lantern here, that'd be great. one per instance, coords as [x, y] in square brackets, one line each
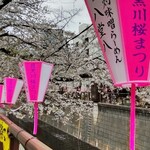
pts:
[36, 75]
[2, 95]
[12, 89]
[123, 28]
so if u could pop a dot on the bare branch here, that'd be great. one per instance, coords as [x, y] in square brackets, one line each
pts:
[67, 42]
[12, 35]
[4, 3]
[7, 52]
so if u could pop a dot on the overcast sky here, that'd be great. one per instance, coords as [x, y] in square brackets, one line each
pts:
[82, 17]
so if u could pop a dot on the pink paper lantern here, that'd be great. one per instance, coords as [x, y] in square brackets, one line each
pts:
[36, 75]
[2, 94]
[123, 29]
[12, 88]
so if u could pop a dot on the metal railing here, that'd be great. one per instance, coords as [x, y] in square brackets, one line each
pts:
[20, 136]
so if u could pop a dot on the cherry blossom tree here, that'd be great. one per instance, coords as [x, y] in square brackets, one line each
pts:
[31, 30]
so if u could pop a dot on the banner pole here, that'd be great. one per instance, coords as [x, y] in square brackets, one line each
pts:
[35, 118]
[132, 117]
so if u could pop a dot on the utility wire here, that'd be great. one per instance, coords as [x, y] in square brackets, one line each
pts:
[69, 41]
[74, 37]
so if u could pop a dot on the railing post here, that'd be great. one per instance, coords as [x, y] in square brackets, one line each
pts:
[1, 145]
[14, 143]
[19, 135]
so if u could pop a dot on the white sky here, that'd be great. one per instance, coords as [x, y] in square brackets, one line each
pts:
[82, 17]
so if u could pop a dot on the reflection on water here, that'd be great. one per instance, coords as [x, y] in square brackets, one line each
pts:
[105, 129]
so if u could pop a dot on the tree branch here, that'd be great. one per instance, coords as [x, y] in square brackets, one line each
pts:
[4, 3]
[68, 42]
[5, 51]
[27, 42]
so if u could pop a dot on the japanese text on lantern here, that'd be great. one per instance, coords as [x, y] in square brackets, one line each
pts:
[107, 12]
[10, 90]
[139, 29]
[33, 81]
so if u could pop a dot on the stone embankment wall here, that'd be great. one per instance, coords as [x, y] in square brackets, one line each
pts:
[113, 127]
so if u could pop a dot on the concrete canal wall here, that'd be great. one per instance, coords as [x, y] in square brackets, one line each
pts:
[113, 127]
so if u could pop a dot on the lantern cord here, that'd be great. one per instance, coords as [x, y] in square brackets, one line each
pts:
[35, 118]
[132, 118]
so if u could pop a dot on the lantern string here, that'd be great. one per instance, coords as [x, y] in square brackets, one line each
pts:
[132, 118]
[35, 118]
